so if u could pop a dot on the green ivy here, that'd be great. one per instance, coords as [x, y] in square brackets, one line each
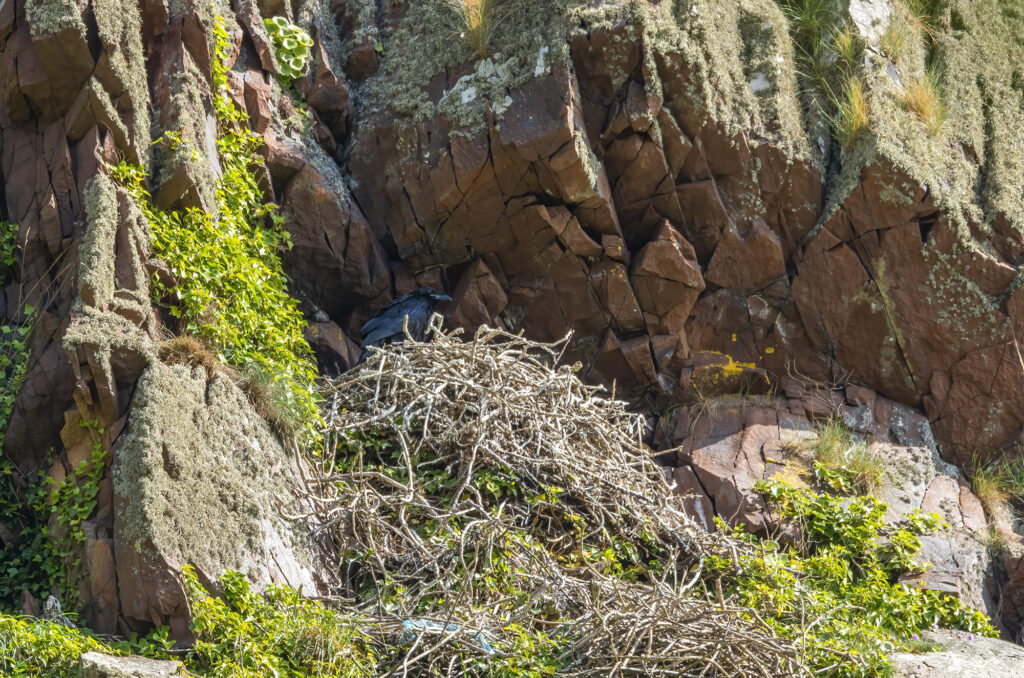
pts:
[279, 633]
[231, 288]
[837, 591]
[14, 344]
[49, 523]
[291, 46]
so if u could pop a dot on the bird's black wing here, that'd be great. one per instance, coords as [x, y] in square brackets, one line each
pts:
[389, 322]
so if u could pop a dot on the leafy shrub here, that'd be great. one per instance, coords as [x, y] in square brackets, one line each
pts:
[278, 633]
[837, 589]
[35, 648]
[14, 347]
[46, 559]
[291, 46]
[231, 288]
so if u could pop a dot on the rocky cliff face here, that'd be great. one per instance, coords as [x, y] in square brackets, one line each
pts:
[650, 175]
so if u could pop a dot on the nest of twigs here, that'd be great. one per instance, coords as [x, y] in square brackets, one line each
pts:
[491, 510]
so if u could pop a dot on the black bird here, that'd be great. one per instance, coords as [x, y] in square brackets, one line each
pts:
[386, 326]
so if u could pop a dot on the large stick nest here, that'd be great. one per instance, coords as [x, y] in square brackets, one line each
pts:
[484, 506]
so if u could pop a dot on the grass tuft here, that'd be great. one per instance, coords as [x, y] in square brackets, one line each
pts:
[479, 20]
[844, 462]
[923, 98]
[998, 482]
[853, 113]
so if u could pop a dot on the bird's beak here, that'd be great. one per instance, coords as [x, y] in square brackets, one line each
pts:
[442, 297]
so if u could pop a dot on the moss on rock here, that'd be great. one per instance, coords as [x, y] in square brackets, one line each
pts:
[198, 475]
[119, 23]
[726, 46]
[53, 16]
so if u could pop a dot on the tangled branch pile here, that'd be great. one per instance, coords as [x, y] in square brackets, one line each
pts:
[498, 517]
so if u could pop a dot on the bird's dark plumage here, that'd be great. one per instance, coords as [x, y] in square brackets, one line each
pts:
[387, 325]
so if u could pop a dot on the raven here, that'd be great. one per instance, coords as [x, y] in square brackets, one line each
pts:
[386, 326]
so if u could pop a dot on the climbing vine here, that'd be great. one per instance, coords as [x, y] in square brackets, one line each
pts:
[46, 555]
[14, 346]
[231, 288]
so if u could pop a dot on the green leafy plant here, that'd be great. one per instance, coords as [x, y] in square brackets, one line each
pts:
[231, 288]
[279, 633]
[14, 337]
[47, 556]
[40, 649]
[291, 46]
[842, 462]
[837, 589]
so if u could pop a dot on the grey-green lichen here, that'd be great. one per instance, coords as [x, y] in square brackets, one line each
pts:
[972, 168]
[119, 24]
[53, 16]
[97, 251]
[196, 150]
[202, 473]
[739, 58]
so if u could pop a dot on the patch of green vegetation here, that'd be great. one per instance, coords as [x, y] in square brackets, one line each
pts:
[231, 288]
[836, 591]
[241, 633]
[842, 462]
[14, 337]
[47, 555]
[291, 46]
[997, 482]
[33, 648]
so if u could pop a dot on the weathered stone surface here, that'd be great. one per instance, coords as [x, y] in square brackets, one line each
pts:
[727, 444]
[961, 654]
[97, 665]
[186, 431]
[659, 198]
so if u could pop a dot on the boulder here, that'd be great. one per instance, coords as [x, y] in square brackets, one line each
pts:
[97, 665]
[960, 654]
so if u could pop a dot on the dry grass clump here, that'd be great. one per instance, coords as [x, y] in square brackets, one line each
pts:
[492, 512]
[853, 113]
[923, 98]
[478, 23]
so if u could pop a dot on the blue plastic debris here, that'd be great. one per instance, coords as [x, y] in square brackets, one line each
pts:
[413, 627]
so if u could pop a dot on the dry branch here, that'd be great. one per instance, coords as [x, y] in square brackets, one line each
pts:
[578, 539]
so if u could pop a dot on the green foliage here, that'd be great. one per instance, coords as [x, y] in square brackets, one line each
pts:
[14, 346]
[842, 462]
[837, 590]
[291, 46]
[49, 521]
[231, 288]
[40, 649]
[278, 633]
